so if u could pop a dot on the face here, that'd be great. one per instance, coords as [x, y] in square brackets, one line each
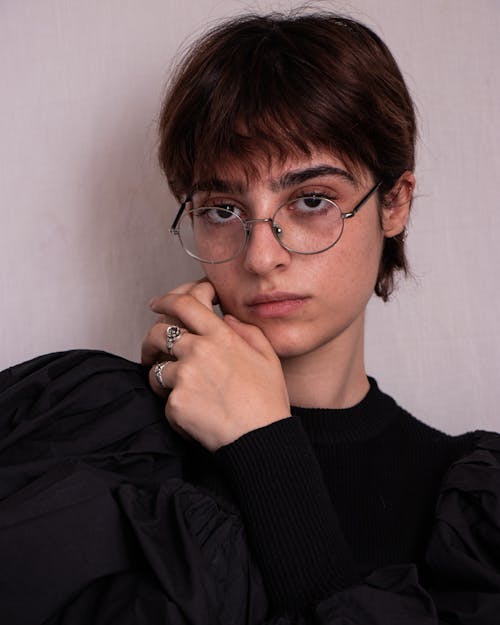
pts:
[302, 303]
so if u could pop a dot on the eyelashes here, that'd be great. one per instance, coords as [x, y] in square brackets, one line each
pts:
[239, 206]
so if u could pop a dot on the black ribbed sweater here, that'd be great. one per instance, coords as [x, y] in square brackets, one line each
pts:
[327, 496]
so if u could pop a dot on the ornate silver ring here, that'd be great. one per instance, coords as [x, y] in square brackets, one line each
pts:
[172, 335]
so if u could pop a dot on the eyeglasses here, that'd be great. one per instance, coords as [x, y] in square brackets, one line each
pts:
[305, 225]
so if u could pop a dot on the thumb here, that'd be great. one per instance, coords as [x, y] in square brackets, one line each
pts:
[251, 334]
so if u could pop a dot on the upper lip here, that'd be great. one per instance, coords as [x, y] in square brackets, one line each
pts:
[273, 296]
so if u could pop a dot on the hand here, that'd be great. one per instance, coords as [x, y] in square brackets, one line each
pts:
[227, 379]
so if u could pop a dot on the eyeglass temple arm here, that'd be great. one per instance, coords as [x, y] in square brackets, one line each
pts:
[362, 201]
[173, 227]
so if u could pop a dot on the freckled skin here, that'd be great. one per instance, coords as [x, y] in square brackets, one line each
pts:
[339, 281]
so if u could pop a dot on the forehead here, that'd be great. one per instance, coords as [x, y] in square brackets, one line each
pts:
[279, 174]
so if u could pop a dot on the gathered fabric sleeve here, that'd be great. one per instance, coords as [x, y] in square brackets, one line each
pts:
[463, 555]
[97, 524]
[306, 562]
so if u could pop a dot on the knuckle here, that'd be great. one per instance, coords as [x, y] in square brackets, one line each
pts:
[201, 348]
[203, 288]
[184, 299]
[172, 407]
[182, 375]
[174, 303]
[229, 338]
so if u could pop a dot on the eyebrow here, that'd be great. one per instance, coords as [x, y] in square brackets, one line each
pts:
[290, 179]
[219, 185]
[293, 178]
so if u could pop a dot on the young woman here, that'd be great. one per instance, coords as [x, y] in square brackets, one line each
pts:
[289, 487]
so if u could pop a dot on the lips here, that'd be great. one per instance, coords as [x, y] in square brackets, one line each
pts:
[276, 304]
[274, 296]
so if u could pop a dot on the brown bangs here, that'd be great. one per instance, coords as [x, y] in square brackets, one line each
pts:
[270, 87]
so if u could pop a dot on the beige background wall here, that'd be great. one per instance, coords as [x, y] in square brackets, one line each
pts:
[85, 212]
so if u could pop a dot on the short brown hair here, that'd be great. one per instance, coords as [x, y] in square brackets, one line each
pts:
[276, 85]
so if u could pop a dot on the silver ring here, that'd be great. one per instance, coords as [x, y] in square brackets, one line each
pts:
[158, 369]
[172, 335]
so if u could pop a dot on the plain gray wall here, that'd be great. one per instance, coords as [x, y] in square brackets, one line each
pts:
[85, 212]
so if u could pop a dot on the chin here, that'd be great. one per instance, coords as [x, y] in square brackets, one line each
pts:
[288, 344]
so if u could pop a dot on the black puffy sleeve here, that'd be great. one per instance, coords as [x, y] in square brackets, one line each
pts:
[97, 524]
[464, 551]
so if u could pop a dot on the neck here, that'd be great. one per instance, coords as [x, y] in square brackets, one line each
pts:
[332, 375]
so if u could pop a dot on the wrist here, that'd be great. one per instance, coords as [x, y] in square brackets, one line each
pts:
[234, 433]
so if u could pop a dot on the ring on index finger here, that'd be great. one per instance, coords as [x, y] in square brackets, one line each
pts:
[172, 335]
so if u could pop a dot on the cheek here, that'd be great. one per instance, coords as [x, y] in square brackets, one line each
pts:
[364, 240]
[354, 263]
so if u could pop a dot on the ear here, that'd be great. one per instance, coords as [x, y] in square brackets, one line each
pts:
[396, 205]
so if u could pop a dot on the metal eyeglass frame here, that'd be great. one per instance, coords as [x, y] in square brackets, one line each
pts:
[248, 223]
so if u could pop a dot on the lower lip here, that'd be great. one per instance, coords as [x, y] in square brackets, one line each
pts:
[282, 308]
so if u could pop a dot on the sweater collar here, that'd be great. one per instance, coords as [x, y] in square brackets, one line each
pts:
[362, 421]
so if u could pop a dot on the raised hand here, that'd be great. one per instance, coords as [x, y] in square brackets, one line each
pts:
[226, 379]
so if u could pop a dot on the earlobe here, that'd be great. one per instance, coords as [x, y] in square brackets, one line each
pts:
[396, 205]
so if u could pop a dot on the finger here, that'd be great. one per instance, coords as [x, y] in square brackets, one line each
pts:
[192, 314]
[165, 392]
[183, 345]
[185, 287]
[155, 303]
[161, 378]
[251, 334]
[204, 292]
[154, 345]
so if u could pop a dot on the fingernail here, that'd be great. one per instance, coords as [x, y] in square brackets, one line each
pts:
[152, 302]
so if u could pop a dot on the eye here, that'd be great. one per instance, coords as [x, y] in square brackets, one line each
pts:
[312, 204]
[219, 214]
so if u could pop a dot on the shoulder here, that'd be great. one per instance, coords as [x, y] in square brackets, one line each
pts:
[464, 545]
[414, 433]
[479, 466]
[61, 372]
[78, 389]
[422, 453]
[83, 405]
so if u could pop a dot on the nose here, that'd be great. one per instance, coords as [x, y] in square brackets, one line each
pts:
[263, 252]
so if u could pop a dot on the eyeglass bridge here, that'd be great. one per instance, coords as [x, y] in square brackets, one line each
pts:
[276, 228]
